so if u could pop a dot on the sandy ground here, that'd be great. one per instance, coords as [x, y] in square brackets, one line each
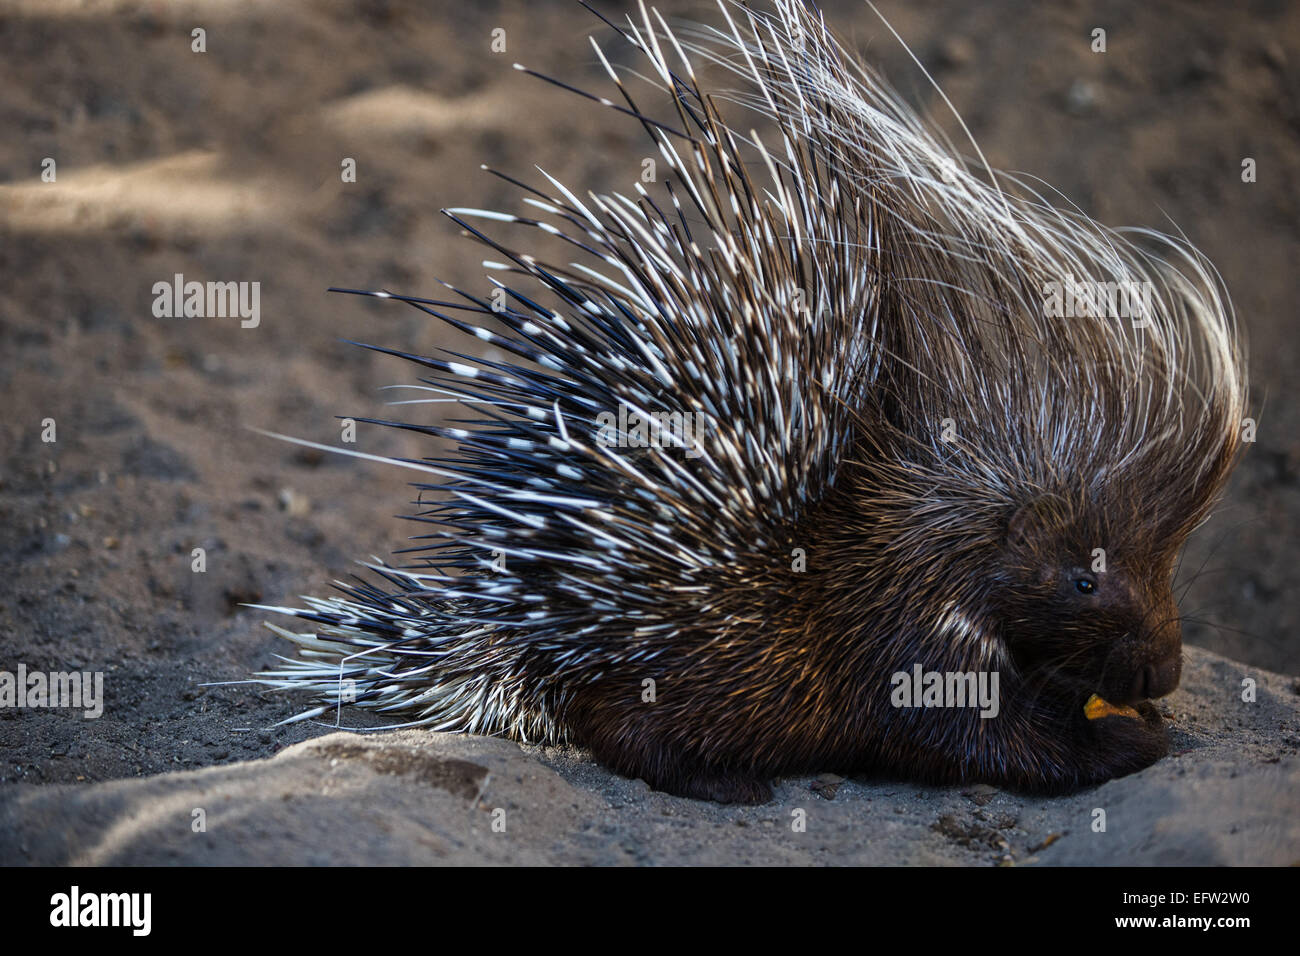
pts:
[224, 165]
[416, 798]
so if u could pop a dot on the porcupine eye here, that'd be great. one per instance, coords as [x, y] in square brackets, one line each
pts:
[1085, 585]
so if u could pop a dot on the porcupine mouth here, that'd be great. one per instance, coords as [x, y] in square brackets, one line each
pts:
[1118, 685]
[1151, 680]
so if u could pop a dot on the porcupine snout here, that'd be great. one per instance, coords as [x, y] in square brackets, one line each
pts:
[1158, 674]
[1155, 664]
[1160, 677]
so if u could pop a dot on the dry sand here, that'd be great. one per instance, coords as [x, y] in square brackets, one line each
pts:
[1226, 796]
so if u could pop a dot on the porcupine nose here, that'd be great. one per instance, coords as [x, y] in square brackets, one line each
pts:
[1157, 678]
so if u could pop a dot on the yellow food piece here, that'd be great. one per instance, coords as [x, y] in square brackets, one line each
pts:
[1100, 707]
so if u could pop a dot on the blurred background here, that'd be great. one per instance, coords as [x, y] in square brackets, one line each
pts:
[224, 165]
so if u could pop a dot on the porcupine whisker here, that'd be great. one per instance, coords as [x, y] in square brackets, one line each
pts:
[1253, 635]
[1211, 551]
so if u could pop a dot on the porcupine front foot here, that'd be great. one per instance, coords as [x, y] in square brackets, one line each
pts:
[1118, 746]
[1100, 750]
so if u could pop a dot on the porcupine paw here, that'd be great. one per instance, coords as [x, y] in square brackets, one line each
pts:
[1123, 745]
[723, 787]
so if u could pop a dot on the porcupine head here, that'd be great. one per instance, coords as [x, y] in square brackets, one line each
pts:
[945, 443]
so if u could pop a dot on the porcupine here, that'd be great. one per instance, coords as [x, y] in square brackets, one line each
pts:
[908, 456]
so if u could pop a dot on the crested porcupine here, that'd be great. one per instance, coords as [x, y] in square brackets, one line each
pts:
[830, 412]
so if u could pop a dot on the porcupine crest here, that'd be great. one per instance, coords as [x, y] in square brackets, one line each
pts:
[858, 319]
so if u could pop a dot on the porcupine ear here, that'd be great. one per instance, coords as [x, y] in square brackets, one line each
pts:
[1031, 523]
